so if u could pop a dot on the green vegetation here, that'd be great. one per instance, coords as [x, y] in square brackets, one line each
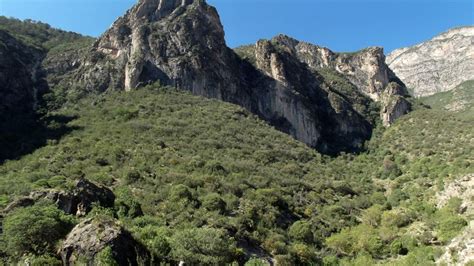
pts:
[246, 52]
[206, 181]
[34, 230]
[459, 100]
[37, 34]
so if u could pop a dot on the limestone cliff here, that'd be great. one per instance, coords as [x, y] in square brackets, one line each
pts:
[20, 77]
[437, 65]
[365, 71]
[181, 44]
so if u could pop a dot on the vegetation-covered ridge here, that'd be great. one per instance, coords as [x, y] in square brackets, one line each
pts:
[37, 34]
[459, 100]
[35, 59]
[207, 182]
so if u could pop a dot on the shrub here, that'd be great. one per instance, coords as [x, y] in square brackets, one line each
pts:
[155, 238]
[213, 202]
[301, 231]
[304, 254]
[180, 192]
[398, 218]
[351, 241]
[372, 216]
[35, 229]
[449, 225]
[105, 257]
[42, 260]
[256, 262]
[203, 246]
[126, 205]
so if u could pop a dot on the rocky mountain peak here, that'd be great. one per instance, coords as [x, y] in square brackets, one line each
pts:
[156, 9]
[459, 32]
[437, 65]
[145, 40]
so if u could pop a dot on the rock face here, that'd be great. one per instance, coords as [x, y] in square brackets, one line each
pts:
[365, 72]
[437, 65]
[20, 78]
[181, 44]
[460, 251]
[92, 236]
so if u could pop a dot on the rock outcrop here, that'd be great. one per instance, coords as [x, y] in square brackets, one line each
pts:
[92, 236]
[437, 65]
[365, 72]
[181, 44]
[460, 251]
[79, 201]
[21, 80]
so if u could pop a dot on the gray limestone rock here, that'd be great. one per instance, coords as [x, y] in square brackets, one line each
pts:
[20, 77]
[92, 236]
[437, 65]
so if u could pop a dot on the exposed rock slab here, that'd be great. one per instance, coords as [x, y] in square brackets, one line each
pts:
[437, 65]
[20, 77]
[460, 250]
[91, 236]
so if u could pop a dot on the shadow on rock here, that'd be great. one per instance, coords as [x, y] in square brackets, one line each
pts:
[23, 134]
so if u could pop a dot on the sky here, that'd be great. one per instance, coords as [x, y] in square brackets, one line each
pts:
[341, 25]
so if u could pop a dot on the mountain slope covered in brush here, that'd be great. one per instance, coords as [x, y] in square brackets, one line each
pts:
[156, 143]
[180, 164]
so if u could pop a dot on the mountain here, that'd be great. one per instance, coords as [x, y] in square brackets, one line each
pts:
[181, 44]
[26, 48]
[134, 156]
[437, 65]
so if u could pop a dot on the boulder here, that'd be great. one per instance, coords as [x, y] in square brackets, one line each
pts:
[92, 236]
[79, 201]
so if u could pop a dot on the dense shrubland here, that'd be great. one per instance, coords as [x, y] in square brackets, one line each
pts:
[204, 181]
[37, 34]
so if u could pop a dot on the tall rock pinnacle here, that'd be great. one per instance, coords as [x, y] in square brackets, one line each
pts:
[163, 40]
[156, 9]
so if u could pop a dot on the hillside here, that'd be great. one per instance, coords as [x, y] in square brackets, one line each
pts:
[34, 59]
[37, 34]
[184, 166]
[459, 100]
[156, 144]
[437, 65]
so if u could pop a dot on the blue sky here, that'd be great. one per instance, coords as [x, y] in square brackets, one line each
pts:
[342, 25]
